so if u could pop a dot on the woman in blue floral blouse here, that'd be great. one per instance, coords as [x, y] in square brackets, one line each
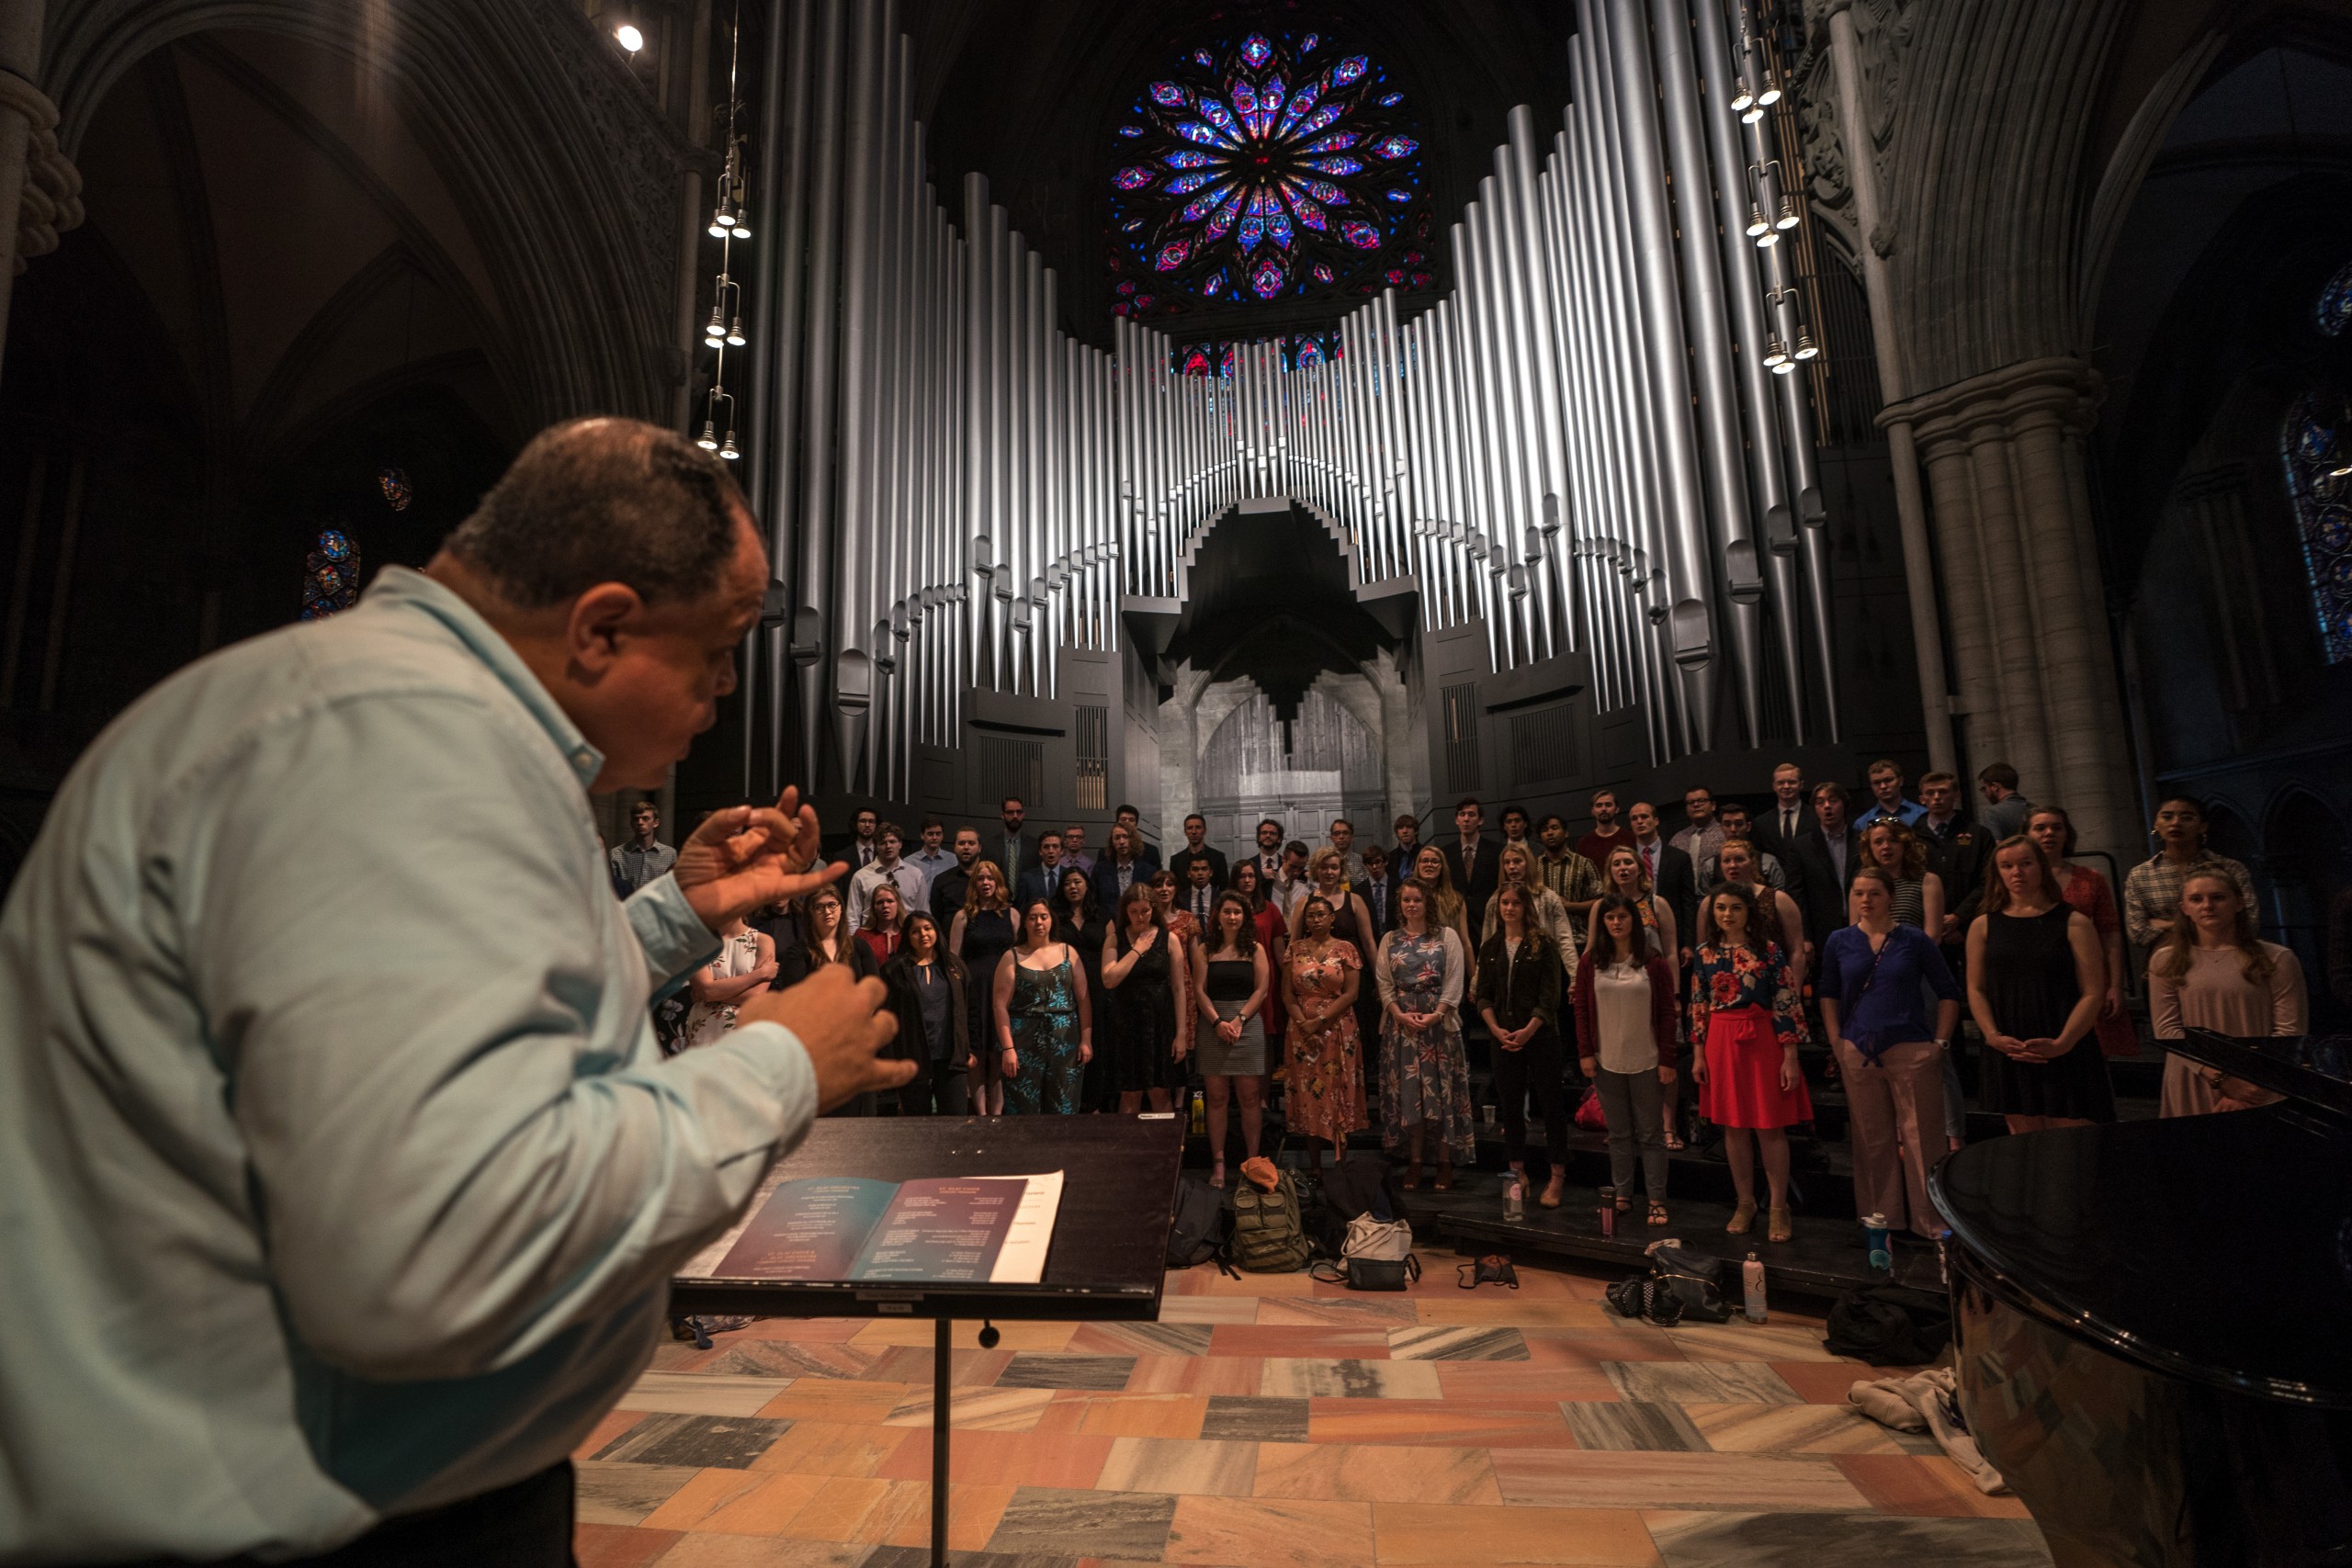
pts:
[1744, 1028]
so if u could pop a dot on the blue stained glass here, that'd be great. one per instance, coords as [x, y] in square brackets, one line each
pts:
[1309, 355]
[2334, 307]
[1131, 130]
[2319, 483]
[1302, 210]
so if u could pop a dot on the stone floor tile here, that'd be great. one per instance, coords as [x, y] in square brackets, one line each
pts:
[729, 1442]
[1630, 1426]
[1423, 1533]
[1718, 1539]
[1051, 1520]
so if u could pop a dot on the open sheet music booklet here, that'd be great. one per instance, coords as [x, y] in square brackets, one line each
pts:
[941, 1230]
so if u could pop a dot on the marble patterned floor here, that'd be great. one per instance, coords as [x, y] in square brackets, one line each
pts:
[1273, 1422]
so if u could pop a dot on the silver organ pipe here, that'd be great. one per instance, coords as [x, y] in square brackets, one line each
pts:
[1578, 446]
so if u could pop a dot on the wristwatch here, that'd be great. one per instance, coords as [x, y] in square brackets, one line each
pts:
[1943, 1045]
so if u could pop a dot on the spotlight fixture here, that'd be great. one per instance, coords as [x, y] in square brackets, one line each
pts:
[1776, 353]
[1806, 348]
[727, 448]
[1767, 238]
[1741, 100]
[1750, 115]
[629, 37]
[1769, 95]
[735, 332]
[1788, 218]
[715, 329]
[708, 439]
[740, 228]
[1757, 224]
[722, 219]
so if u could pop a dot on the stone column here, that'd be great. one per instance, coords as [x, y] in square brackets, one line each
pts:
[41, 191]
[2013, 527]
[1910, 508]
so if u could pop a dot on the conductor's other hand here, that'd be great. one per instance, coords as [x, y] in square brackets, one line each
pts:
[842, 1025]
[748, 857]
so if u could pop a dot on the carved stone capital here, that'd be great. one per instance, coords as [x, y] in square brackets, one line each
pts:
[2001, 404]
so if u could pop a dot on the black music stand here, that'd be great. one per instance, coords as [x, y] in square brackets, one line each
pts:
[1110, 1248]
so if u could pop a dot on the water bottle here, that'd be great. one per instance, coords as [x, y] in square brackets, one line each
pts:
[1876, 1236]
[1751, 1279]
[1609, 1211]
[1514, 1198]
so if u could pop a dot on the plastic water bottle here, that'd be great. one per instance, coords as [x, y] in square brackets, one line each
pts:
[1514, 1198]
[1876, 1236]
[1609, 1211]
[1751, 1280]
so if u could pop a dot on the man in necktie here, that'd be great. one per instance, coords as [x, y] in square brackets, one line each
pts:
[1270, 854]
[886, 868]
[1200, 891]
[862, 846]
[1789, 821]
[1673, 876]
[1375, 888]
[1044, 879]
[1014, 851]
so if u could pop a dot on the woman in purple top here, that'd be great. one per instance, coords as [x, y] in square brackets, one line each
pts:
[1874, 976]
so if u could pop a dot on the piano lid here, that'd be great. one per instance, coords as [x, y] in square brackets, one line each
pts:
[2213, 1248]
[2313, 1070]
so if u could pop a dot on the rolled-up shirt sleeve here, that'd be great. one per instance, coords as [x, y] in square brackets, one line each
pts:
[461, 1139]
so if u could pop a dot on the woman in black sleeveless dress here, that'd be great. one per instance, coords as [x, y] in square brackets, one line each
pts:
[1144, 982]
[2037, 977]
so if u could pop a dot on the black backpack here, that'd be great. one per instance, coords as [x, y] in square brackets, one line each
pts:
[1871, 1325]
[1201, 1227]
[1360, 1185]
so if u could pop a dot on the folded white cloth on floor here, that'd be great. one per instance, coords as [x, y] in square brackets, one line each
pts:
[1923, 1402]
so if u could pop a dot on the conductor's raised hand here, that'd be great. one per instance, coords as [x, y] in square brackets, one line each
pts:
[840, 1024]
[748, 857]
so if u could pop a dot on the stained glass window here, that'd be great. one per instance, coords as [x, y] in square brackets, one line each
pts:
[331, 576]
[2317, 445]
[2333, 307]
[397, 490]
[1264, 167]
[1300, 351]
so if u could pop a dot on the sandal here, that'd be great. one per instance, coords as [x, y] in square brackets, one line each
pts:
[1444, 1182]
[1674, 1139]
[1552, 1189]
[1412, 1183]
[1781, 1225]
[1657, 1213]
[1743, 1217]
[1217, 1174]
[1624, 1204]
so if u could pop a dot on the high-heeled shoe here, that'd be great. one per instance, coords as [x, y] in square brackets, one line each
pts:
[1743, 1217]
[1553, 1191]
[1780, 1225]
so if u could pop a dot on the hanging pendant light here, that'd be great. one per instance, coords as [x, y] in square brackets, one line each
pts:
[735, 332]
[708, 439]
[722, 218]
[1771, 95]
[1776, 353]
[726, 448]
[715, 329]
[1767, 238]
[1757, 224]
[1745, 97]
[1788, 218]
[740, 225]
[1806, 348]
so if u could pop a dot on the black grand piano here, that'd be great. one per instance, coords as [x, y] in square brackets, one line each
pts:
[2153, 1321]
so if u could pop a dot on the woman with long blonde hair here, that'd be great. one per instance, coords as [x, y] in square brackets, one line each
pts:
[2215, 971]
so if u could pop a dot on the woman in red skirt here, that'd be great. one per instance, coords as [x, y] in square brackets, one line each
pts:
[1745, 1026]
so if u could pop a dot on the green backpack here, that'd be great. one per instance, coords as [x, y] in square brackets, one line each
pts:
[1267, 1235]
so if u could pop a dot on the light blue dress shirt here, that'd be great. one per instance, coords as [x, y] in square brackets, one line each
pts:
[340, 1175]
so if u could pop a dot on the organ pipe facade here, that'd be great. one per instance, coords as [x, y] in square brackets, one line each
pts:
[1583, 448]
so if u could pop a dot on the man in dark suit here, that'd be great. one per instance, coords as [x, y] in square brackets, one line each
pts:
[1013, 851]
[1117, 869]
[1270, 855]
[1196, 830]
[1672, 880]
[1957, 845]
[1472, 859]
[1825, 859]
[1044, 879]
[1378, 891]
[1197, 891]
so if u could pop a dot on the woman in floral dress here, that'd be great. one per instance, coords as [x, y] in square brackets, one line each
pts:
[1043, 1031]
[1744, 1028]
[1323, 1076]
[745, 964]
[1422, 971]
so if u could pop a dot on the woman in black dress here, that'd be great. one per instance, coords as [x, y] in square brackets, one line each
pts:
[981, 934]
[827, 939]
[1079, 924]
[2036, 979]
[1144, 979]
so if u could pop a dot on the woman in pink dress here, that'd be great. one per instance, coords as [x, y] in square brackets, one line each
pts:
[2085, 889]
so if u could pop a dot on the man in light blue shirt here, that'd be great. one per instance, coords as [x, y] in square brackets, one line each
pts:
[1887, 801]
[645, 858]
[340, 1177]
